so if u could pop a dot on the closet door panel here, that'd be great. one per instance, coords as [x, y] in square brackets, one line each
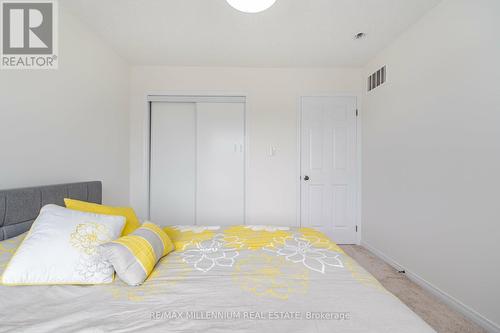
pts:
[173, 161]
[220, 163]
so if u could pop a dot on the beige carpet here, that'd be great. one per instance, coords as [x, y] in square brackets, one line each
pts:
[437, 314]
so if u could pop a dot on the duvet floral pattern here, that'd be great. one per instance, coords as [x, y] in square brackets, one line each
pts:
[314, 252]
[302, 250]
[219, 251]
[221, 247]
[256, 272]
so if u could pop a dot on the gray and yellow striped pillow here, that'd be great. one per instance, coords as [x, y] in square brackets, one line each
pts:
[134, 256]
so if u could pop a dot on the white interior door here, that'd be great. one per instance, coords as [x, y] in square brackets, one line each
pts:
[328, 166]
[220, 163]
[172, 165]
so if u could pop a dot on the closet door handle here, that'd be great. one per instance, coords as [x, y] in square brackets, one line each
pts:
[306, 178]
[238, 147]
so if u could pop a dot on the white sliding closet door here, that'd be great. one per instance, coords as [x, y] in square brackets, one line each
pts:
[197, 162]
[173, 161]
[220, 163]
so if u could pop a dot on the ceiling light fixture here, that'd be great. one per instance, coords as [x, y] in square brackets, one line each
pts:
[251, 6]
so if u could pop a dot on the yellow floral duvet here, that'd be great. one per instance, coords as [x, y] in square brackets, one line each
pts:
[220, 279]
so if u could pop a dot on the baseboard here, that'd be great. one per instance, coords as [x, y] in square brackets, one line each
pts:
[473, 315]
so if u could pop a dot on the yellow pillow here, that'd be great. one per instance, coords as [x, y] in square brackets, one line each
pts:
[132, 222]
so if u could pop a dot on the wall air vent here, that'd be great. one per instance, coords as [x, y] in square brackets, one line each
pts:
[376, 79]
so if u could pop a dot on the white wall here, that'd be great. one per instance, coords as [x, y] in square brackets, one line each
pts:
[69, 124]
[431, 153]
[273, 101]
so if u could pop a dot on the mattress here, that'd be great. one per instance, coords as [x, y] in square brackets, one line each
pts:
[220, 279]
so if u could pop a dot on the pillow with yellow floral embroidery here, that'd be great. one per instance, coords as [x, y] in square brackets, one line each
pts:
[62, 247]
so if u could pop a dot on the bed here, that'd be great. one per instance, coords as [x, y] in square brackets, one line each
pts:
[218, 279]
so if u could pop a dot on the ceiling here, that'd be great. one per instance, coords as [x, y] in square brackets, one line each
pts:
[292, 33]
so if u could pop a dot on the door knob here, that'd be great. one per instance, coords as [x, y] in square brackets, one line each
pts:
[306, 177]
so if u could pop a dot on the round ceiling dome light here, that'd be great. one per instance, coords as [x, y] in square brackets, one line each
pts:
[251, 6]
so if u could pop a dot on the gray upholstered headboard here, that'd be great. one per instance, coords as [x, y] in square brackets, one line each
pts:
[20, 207]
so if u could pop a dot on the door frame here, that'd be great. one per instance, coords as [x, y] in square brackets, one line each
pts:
[189, 94]
[358, 156]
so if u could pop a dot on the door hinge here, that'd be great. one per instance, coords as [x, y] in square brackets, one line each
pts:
[356, 112]
[356, 228]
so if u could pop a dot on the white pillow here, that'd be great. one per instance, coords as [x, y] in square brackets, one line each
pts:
[62, 248]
